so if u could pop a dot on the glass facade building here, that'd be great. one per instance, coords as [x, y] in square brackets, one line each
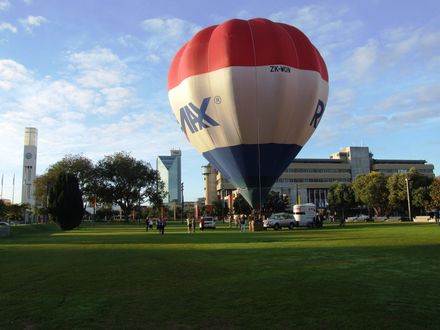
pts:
[170, 171]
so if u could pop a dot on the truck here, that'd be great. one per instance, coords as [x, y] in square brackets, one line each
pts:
[305, 215]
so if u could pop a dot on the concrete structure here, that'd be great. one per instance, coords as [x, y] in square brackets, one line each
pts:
[209, 178]
[170, 171]
[308, 180]
[29, 165]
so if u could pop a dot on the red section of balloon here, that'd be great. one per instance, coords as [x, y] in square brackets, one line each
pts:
[256, 42]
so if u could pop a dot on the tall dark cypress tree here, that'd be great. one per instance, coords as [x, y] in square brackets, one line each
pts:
[65, 201]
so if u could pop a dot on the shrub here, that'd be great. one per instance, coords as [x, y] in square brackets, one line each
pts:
[65, 201]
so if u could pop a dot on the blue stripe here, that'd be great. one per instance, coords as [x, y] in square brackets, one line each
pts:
[239, 165]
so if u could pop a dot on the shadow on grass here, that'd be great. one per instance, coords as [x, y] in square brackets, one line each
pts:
[243, 282]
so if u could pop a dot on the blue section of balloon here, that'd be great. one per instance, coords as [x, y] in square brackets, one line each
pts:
[251, 166]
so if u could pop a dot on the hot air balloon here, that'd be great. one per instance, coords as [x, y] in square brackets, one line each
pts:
[248, 94]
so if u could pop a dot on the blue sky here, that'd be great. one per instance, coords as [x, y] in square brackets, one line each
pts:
[92, 77]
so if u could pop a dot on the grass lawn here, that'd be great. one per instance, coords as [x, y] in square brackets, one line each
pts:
[365, 276]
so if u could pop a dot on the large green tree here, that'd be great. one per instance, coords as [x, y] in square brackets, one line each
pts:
[397, 197]
[78, 165]
[435, 193]
[220, 209]
[65, 201]
[418, 185]
[241, 206]
[275, 202]
[127, 182]
[371, 190]
[341, 198]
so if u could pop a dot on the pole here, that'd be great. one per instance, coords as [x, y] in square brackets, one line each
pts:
[409, 200]
[13, 188]
[183, 202]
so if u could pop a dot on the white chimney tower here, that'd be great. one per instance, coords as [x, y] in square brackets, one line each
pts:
[29, 165]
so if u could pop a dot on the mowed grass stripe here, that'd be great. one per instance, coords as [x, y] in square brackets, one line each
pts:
[112, 277]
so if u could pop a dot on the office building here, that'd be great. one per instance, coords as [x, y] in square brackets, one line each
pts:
[29, 165]
[170, 171]
[308, 180]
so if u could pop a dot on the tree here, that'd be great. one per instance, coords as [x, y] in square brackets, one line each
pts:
[2, 208]
[65, 201]
[220, 209]
[421, 198]
[241, 206]
[77, 165]
[397, 197]
[434, 193]
[371, 190]
[127, 182]
[418, 186]
[14, 211]
[341, 198]
[275, 202]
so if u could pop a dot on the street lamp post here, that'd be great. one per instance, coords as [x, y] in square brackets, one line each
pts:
[181, 187]
[408, 198]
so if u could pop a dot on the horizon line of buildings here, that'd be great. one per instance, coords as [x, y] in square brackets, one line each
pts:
[305, 179]
[308, 179]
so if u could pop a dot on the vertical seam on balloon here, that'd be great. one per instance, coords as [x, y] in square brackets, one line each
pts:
[288, 140]
[258, 117]
[209, 79]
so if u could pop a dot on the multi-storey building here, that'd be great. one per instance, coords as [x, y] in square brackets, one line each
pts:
[170, 171]
[308, 180]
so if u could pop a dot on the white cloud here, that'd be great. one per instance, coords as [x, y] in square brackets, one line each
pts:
[411, 44]
[116, 99]
[342, 97]
[99, 68]
[7, 27]
[4, 5]
[31, 22]
[165, 36]
[12, 74]
[329, 29]
[362, 60]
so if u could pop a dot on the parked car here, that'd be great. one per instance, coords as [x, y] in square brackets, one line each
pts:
[280, 220]
[207, 222]
[358, 218]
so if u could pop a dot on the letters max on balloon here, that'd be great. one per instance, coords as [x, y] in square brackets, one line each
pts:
[196, 118]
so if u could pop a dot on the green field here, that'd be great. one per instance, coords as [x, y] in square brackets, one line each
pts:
[120, 277]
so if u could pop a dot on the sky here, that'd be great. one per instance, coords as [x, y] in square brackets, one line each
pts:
[91, 76]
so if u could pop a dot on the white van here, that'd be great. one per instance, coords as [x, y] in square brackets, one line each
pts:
[305, 214]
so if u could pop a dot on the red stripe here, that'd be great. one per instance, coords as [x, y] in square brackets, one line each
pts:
[256, 42]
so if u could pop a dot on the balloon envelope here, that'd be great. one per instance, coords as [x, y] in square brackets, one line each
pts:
[248, 95]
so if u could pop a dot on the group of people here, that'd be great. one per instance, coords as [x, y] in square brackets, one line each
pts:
[160, 225]
[191, 223]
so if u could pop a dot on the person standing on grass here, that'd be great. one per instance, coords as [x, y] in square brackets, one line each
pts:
[193, 223]
[189, 224]
[159, 225]
[147, 224]
[342, 222]
[162, 226]
[242, 224]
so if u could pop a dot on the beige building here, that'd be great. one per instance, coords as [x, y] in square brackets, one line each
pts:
[308, 180]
